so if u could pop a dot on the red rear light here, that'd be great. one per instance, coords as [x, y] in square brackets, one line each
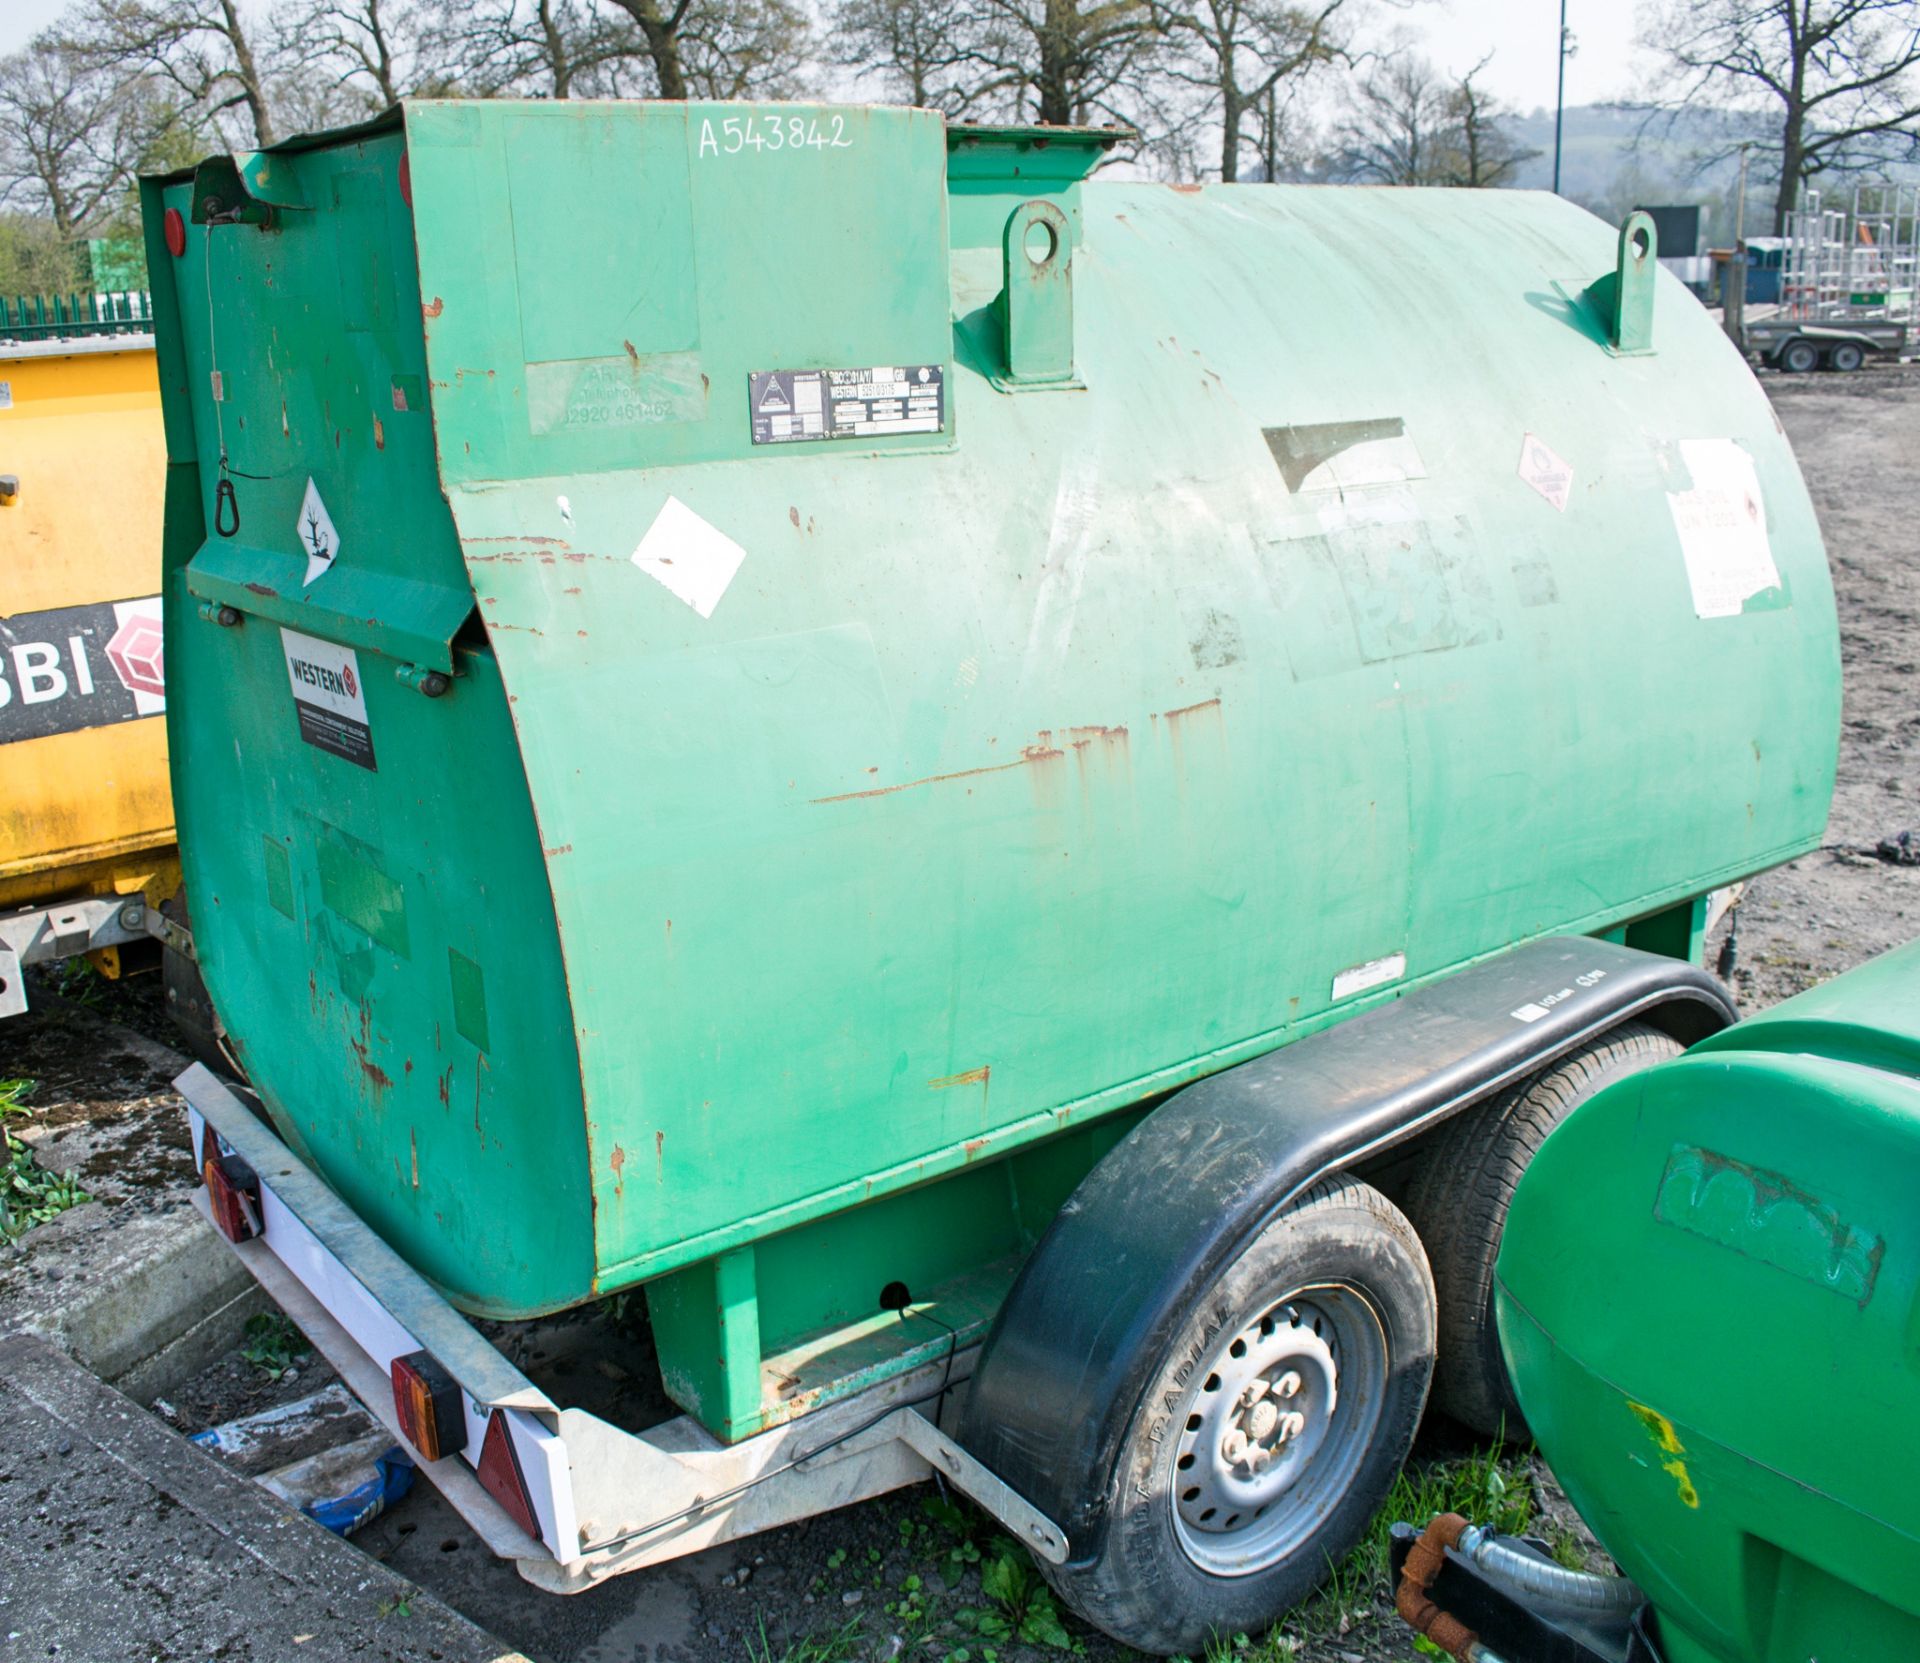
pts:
[406, 179]
[175, 229]
[427, 1400]
[234, 1191]
[500, 1473]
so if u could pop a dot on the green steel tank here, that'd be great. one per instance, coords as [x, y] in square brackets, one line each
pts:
[1709, 1294]
[750, 687]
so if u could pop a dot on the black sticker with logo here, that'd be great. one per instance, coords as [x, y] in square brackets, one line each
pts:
[80, 667]
[787, 406]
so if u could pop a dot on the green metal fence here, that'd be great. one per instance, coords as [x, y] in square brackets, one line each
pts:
[47, 317]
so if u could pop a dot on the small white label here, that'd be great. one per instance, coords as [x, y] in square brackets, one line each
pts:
[689, 557]
[1530, 1013]
[1722, 523]
[6, 395]
[315, 531]
[1546, 472]
[1374, 973]
[328, 697]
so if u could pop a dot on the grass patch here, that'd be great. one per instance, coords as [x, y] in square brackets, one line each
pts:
[273, 1344]
[29, 1193]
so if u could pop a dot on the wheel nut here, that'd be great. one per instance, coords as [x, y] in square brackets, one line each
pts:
[1291, 1426]
[1288, 1385]
[1234, 1446]
[1256, 1389]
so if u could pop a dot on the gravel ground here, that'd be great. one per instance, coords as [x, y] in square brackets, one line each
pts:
[903, 1576]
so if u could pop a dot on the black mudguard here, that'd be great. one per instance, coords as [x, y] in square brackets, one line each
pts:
[1149, 1229]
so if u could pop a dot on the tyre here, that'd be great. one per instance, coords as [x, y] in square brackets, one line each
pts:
[190, 1004]
[1459, 1200]
[1846, 357]
[1799, 357]
[1270, 1432]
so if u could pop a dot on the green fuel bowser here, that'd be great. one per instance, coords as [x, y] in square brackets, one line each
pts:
[1708, 1296]
[950, 768]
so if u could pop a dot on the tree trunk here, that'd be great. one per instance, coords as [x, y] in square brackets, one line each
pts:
[253, 93]
[1054, 85]
[662, 36]
[1793, 157]
[559, 65]
[1232, 113]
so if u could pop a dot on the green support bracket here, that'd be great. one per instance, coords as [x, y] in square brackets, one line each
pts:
[1680, 931]
[1624, 297]
[706, 1326]
[1037, 302]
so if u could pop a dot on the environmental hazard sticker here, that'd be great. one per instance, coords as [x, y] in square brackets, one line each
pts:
[789, 405]
[328, 697]
[80, 667]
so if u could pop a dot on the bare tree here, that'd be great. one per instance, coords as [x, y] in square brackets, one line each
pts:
[367, 51]
[915, 49]
[1392, 131]
[530, 48]
[1485, 153]
[722, 48]
[1838, 80]
[73, 135]
[1410, 125]
[204, 48]
[1239, 52]
[1060, 62]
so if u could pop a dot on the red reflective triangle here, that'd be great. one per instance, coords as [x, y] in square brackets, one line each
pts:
[501, 1476]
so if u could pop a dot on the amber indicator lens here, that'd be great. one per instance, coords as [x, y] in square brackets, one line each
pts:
[234, 1192]
[427, 1400]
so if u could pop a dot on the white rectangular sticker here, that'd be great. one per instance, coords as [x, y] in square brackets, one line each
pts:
[1722, 523]
[689, 557]
[328, 697]
[1374, 973]
[6, 395]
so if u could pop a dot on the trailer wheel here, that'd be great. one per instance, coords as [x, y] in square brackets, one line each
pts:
[1459, 1202]
[1846, 357]
[1799, 357]
[1271, 1431]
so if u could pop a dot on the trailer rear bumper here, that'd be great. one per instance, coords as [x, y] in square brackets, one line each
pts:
[605, 1500]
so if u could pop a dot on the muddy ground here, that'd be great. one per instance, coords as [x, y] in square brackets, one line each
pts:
[901, 1577]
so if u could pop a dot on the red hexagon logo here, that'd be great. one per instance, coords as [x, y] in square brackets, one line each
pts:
[138, 656]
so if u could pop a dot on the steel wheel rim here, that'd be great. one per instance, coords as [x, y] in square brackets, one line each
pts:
[1276, 1427]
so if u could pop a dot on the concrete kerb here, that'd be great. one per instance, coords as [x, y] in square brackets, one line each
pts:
[138, 1288]
[120, 1540]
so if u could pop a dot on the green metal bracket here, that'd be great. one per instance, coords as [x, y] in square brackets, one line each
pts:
[706, 1326]
[1037, 302]
[1624, 297]
[249, 189]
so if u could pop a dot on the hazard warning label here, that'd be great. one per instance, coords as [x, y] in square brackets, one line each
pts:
[790, 405]
[1546, 472]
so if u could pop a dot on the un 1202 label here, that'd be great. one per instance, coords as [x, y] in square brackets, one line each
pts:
[787, 406]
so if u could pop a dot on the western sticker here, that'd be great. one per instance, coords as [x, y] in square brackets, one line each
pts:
[1546, 472]
[784, 406]
[1374, 973]
[689, 557]
[80, 667]
[1722, 522]
[318, 540]
[328, 698]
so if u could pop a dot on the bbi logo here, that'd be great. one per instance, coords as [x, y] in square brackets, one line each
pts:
[80, 667]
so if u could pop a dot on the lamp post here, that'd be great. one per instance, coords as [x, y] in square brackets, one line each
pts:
[1560, 97]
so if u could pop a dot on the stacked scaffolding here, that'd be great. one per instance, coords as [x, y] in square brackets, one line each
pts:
[1855, 261]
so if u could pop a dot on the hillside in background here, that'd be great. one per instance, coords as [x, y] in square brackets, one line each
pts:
[1615, 160]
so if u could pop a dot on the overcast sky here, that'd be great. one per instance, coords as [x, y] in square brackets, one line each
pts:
[1520, 34]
